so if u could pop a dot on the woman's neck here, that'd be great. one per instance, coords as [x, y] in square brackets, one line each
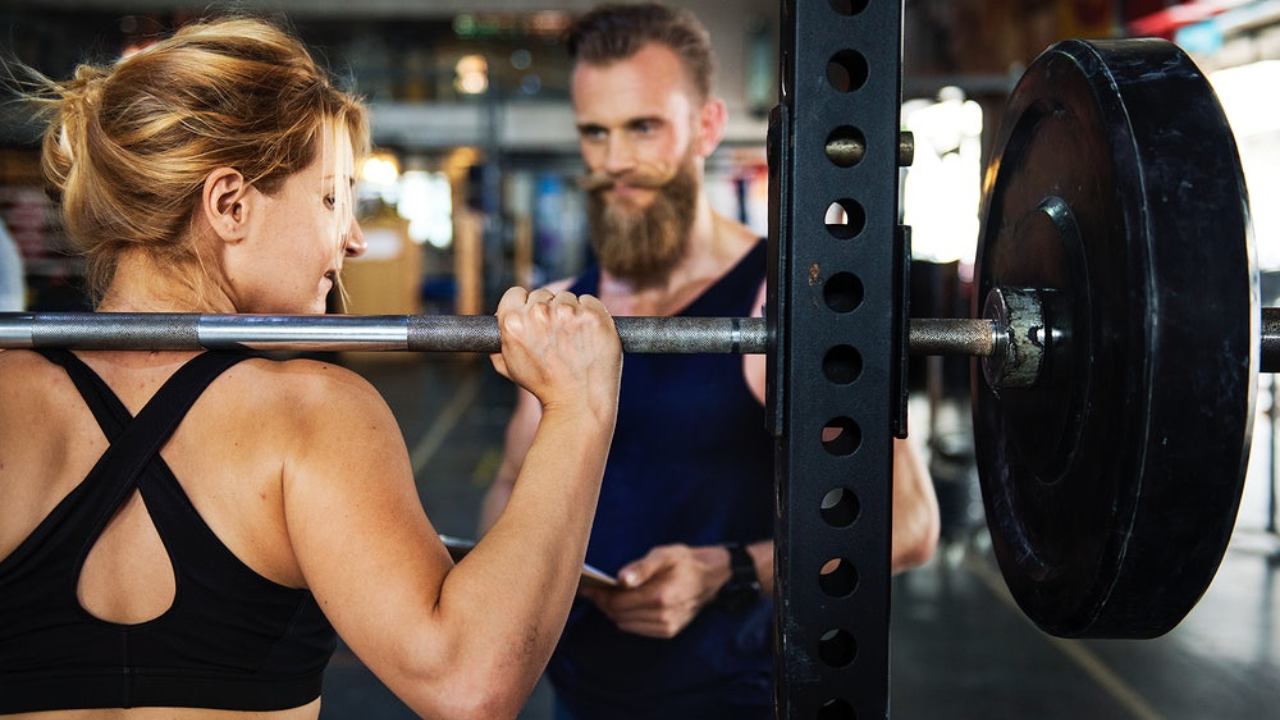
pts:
[140, 284]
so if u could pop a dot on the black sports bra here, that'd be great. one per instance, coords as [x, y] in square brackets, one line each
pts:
[231, 640]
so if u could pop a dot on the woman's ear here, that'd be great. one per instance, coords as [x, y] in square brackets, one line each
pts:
[222, 203]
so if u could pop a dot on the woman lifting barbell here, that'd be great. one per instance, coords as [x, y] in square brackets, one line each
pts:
[164, 545]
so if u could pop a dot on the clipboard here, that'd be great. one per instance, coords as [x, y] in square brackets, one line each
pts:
[591, 576]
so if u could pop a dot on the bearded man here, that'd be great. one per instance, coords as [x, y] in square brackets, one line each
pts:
[685, 517]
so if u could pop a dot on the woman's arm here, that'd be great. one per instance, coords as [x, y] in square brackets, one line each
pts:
[468, 641]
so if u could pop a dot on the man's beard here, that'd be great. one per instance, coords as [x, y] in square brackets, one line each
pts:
[642, 245]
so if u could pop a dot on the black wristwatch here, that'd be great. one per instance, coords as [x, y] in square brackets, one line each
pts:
[743, 587]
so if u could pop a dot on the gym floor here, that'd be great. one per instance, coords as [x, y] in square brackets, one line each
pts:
[960, 647]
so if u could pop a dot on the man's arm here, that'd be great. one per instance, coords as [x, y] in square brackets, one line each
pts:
[519, 436]
[915, 506]
[916, 522]
[664, 590]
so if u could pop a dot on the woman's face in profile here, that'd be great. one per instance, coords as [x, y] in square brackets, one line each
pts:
[298, 237]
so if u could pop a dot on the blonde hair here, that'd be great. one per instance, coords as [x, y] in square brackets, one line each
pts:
[128, 147]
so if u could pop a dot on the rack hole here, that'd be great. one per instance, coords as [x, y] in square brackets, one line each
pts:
[840, 507]
[845, 219]
[837, 648]
[838, 578]
[843, 292]
[841, 436]
[849, 7]
[842, 364]
[847, 71]
[836, 709]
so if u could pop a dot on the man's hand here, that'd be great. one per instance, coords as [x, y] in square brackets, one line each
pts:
[661, 593]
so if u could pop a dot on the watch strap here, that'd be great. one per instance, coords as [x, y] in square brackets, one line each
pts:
[743, 587]
[741, 567]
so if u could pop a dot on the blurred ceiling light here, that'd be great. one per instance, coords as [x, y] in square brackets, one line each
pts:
[1247, 97]
[464, 25]
[1247, 94]
[942, 187]
[549, 23]
[427, 203]
[460, 160]
[380, 169]
[472, 75]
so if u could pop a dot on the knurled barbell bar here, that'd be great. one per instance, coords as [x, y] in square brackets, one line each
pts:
[1118, 324]
[1012, 339]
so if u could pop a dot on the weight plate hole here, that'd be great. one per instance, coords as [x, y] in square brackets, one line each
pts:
[849, 7]
[836, 709]
[840, 507]
[845, 219]
[847, 71]
[846, 146]
[843, 292]
[838, 578]
[837, 648]
[842, 365]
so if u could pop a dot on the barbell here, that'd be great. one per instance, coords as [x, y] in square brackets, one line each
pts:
[1012, 340]
[1116, 320]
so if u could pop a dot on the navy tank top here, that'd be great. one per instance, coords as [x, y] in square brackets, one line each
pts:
[231, 640]
[691, 462]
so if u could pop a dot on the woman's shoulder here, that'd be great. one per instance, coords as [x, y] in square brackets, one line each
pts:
[26, 371]
[306, 406]
[21, 372]
[302, 383]
[323, 420]
[14, 360]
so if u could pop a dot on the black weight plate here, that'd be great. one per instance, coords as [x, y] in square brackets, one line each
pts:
[1111, 486]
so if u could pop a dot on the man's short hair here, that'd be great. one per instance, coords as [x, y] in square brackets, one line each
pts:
[614, 32]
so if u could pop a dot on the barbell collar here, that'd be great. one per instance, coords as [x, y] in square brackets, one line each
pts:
[1022, 337]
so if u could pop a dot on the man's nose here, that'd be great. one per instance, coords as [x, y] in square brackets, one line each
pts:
[620, 157]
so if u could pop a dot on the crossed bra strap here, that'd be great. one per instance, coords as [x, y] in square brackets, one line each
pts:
[135, 440]
[232, 639]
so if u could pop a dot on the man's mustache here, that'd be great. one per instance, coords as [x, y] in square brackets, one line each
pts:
[600, 180]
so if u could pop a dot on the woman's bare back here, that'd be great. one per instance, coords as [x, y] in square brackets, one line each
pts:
[227, 455]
